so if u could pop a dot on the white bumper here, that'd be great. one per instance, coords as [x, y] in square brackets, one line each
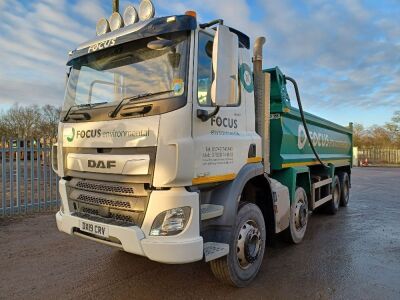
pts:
[183, 248]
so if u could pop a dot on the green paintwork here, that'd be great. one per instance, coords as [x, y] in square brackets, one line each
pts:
[288, 177]
[332, 142]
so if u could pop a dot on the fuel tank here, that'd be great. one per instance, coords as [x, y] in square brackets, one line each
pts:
[289, 146]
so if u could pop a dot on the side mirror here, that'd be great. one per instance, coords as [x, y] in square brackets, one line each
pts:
[225, 66]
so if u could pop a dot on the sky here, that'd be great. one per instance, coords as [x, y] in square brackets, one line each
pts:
[344, 54]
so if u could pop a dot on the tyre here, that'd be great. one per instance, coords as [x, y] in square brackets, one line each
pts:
[333, 205]
[298, 218]
[246, 249]
[344, 189]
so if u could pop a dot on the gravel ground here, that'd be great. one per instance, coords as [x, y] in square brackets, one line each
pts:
[352, 255]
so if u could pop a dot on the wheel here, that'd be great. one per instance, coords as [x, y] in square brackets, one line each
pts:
[333, 205]
[345, 189]
[298, 217]
[246, 249]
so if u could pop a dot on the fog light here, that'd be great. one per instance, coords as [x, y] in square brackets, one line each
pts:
[171, 222]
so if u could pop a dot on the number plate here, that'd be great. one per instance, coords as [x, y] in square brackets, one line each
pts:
[94, 228]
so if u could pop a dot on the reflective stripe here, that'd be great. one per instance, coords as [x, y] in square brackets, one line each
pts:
[311, 163]
[212, 179]
[256, 159]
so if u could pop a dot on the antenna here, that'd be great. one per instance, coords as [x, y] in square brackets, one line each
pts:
[115, 6]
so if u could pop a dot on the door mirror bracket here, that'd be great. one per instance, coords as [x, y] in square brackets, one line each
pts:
[204, 115]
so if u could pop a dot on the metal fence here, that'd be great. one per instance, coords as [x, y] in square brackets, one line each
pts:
[378, 156]
[27, 181]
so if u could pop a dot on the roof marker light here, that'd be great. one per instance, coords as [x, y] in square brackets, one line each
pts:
[146, 10]
[130, 15]
[191, 13]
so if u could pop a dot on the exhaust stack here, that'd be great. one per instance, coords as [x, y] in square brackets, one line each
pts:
[262, 101]
[115, 6]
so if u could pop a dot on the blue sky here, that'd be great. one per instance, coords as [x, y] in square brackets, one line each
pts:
[345, 54]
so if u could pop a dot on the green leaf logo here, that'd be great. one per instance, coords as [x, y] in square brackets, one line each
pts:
[246, 77]
[71, 137]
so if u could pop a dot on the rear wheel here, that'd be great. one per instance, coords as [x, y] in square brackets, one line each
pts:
[246, 249]
[345, 189]
[298, 217]
[333, 205]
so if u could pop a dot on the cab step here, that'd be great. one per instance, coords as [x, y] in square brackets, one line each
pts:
[209, 211]
[215, 250]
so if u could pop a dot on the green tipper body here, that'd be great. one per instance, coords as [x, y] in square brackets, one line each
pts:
[289, 144]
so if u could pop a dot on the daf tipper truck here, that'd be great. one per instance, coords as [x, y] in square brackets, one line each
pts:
[176, 145]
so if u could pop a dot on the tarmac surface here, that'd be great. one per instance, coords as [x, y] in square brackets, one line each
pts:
[352, 255]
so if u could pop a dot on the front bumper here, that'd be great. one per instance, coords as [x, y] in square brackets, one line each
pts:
[183, 248]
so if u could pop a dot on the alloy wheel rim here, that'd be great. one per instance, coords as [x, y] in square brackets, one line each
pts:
[249, 243]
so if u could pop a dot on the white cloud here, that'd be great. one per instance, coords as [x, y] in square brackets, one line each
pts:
[90, 10]
[343, 54]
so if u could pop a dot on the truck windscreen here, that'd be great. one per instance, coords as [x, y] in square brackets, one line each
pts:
[130, 70]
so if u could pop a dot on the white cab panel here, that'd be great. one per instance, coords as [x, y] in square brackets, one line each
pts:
[132, 132]
[111, 164]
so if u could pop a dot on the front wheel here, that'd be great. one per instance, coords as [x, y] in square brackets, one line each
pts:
[246, 249]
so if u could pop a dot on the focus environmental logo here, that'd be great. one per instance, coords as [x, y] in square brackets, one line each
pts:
[71, 135]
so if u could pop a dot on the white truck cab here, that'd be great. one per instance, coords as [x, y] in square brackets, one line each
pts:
[158, 150]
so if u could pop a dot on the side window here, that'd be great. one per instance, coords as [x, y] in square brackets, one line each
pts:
[204, 69]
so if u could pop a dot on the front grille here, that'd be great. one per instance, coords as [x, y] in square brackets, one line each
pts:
[123, 218]
[120, 202]
[100, 219]
[91, 211]
[102, 201]
[105, 188]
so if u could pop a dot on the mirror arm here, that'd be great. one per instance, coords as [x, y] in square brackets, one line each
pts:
[204, 116]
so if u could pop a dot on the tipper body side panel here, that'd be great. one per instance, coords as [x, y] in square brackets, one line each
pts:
[289, 145]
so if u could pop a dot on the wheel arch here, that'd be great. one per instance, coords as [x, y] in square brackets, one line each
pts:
[258, 191]
[230, 194]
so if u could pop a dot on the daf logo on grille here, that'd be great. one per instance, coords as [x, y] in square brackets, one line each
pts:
[101, 164]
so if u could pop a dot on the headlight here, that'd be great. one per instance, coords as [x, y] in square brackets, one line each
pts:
[146, 10]
[130, 15]
[116, 21]
[171, 222]
[102, 27]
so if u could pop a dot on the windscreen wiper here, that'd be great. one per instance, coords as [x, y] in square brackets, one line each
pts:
[80, 106]
[114, 113]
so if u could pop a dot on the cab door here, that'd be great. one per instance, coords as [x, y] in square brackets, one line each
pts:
[221, 143]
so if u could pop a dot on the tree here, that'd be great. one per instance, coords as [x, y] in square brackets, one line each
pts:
[393, 128]
[29, 121]
[358, 134]
[21, 121]
[49, 122]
